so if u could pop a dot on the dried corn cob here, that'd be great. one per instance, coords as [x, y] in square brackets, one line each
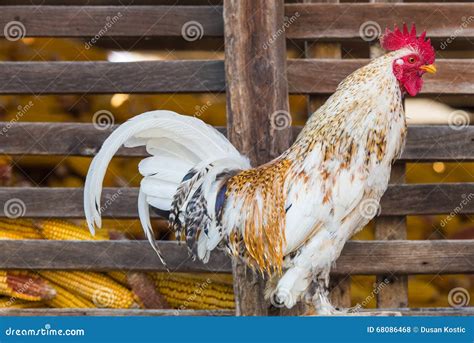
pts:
[18, 228]
[17, 303]
[25, 285]
[194, 292]
[63, 230]
[96, 287]
[7, 234]
[66, 299]
[119, 276]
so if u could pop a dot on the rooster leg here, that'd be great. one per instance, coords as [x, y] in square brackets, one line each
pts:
[321, 300]
[312, 259]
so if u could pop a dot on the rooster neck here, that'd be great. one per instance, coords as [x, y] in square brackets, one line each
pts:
[362, 112]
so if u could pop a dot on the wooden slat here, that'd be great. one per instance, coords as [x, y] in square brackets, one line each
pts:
[424, 142]
[439, 311]
[340, 287]
[116, 2]
[342, 21]
[105, 255]
[427, 311]
[395, 290]
[311, 76]
[407, 199]
[315, 21]
[72, 139]
[358, 257]
[109, 312]
[305, 76]
[105, 77]
[125, 21]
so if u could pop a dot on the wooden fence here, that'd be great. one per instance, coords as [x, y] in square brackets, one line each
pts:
[244, 26]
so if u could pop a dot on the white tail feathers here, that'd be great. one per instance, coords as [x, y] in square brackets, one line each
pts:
[177, 143]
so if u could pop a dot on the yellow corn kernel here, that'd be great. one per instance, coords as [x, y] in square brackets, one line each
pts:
[194, 292]
[63, 230]
[18, 228]
[67, 299]
[119, 276]
[25, 285]
[12, 302]
[95, 287]
[4, 234]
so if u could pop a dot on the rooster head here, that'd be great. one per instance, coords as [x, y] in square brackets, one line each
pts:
[409, 69]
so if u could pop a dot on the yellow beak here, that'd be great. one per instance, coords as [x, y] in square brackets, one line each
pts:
[430, 68]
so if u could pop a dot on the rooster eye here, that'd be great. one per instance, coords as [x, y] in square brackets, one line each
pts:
[411, 59]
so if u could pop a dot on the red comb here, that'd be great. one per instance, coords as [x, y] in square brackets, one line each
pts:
[396, 39]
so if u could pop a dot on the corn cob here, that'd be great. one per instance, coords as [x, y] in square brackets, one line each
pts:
[194, 292]
[95, 287]
[17, 303]
[63, 230]
[19, 229]
[25, 285]
[4, 234]
[119, 276]
[66, 299]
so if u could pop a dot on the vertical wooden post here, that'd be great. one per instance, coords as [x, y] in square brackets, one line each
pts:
[341, 285]
[395, 293]
[257, 89]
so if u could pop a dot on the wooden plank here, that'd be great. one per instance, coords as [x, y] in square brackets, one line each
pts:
[116, 2]
[315, 21]
[113, 21]
[407, 199]
[106, 77]
[394, 294]
[343, 21]
[340, 287]
[109, 312]
[305, 76]
[425, 143]
[358, 257]
[437, 311]
[311, 76]
[257, 93]
[106, 255]
[71, 139]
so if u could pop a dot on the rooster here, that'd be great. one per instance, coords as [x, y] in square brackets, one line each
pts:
[289, 218]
